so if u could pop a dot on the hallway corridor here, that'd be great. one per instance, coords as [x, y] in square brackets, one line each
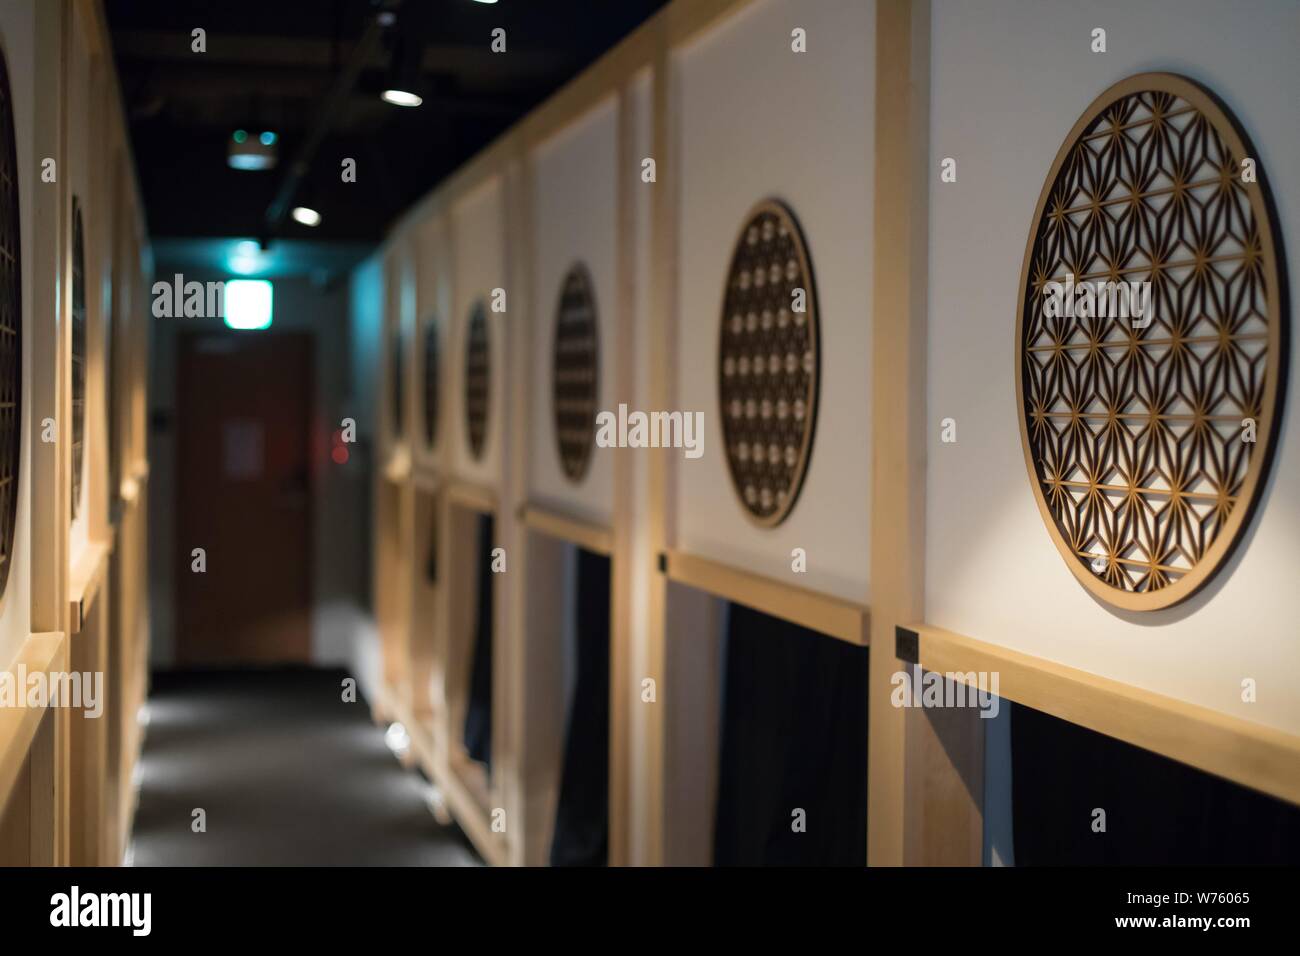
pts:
[287, 774]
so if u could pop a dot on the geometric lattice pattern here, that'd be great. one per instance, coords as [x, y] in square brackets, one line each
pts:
[78, 354]
[768, 363]
[430, 382]
[1138, 429]
[11, 328]
[575, 373]
[477, 380]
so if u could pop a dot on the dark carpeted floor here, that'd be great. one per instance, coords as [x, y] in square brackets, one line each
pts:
[288, 774]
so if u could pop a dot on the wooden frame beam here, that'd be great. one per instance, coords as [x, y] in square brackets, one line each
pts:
[828, 615]
[1253, 755]
[898, 396]
[592, 537]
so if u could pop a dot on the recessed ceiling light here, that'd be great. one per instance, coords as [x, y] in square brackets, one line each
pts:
[306, 215]
[401, 97]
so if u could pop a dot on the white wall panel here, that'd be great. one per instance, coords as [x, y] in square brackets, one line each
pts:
[575, 220]
[758, 120]
[1009, 80]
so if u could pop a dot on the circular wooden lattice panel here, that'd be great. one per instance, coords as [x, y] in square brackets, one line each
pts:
[574, 374]
[430, 382]
[1147, 433]
[11, 328]
[478, 380]
[78, 354]
[768, 361]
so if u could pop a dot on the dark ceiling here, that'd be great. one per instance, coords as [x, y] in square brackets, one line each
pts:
[270, 65]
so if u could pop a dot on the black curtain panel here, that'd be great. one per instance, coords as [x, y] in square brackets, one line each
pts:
[1157, 811]
[582, 816]
[478, 712]
[794, 738]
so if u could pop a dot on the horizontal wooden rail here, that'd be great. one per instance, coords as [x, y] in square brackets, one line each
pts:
[1253, 755]
[40, 654]
[832, 616]
[593, 537]
[473, 497]
[422, 479]
[464, 787]
[84, 582]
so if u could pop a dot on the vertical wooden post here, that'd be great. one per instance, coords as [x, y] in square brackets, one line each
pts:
[519, 698]
[623, 565]
[898, 316]
[663, 327]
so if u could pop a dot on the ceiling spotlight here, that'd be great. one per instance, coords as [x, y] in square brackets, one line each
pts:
[306, 215]
[401, 97]
[246, 153]
[403, 83]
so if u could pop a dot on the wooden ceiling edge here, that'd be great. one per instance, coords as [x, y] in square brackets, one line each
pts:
[679, 22]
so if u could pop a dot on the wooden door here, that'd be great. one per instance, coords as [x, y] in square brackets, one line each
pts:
[244, 497]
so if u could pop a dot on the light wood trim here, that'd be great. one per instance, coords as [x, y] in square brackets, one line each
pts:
[426, 481]
[1253, 755]
[466, 792]
[624, 566]
[521, 705]
[40, 653]
[87, 576]
[48, 815]
[50, 305]
[828, 615]
[673, 26]
[473, 497]
[593, 537]
[88, 782]
[649, 801]
[683, 21]
[898, 395]
[397, 469]
[597, 84]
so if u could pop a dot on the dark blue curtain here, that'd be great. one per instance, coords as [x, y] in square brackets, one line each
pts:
[478, 712]
[794, 736]
[582, 816]
[1158, 811]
